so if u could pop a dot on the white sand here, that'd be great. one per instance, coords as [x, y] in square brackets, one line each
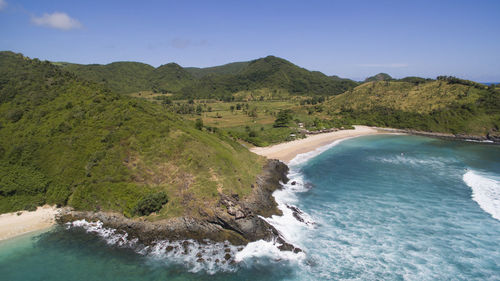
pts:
[12, 225]
[288, 150]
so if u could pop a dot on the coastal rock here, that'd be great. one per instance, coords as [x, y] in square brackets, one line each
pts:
[494, 136]
[237, 220]
[298, 214]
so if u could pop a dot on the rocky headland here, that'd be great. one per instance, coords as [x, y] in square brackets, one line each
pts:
[233, 219]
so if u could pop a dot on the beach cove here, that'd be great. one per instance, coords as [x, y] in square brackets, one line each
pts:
[289, 150]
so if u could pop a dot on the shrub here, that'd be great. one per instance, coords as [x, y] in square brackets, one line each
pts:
[150, 203]
[14, 115]
[199, 124]
[284, 117]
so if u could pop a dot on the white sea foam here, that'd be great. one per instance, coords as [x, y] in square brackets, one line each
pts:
[111, 236]
[485, 191]
[208, 257]
[268, 249]
[304, 157]
[290, 226]
[213, 257]
[480, 141]
[410, 160]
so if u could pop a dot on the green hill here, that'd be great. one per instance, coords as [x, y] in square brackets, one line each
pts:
[268, 73]
[67, 141]
[120, 77]
[446, 105]
[169, 78]
[379, 77]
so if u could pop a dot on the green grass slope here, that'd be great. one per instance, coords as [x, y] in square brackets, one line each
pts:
[451, 106]
[67, 141]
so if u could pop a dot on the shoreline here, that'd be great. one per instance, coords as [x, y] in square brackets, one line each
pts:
[489, 138]
[287, 151]
[13, 225]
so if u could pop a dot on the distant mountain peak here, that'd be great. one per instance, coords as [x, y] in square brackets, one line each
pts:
[379, 77]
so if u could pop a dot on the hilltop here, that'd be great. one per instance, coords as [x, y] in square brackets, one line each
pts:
[379, 77]
[120, 77]
[71, 142]
[270, 74]
[447, 105]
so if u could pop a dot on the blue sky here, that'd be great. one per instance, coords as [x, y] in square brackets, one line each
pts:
[351, 39]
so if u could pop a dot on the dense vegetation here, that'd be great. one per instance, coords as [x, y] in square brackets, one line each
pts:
[230, 68]
[70, 138]
[67, 141]
[152, 202]
[120, 77]
[271, 74]
[447, 105]
[379, 77]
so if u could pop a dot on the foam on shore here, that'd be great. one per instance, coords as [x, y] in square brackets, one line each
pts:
[294, 222]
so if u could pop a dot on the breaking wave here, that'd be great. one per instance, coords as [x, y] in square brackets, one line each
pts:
[485, 191]
[209, 257]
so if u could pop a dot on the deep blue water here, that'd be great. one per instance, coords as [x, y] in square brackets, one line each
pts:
[379, 207]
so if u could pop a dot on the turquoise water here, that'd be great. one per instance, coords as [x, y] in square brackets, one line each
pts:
[374, 208]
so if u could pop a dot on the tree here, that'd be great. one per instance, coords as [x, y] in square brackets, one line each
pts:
[284, 117]
[167, 101]
[199, 124]
[150, 203]
[199, 109]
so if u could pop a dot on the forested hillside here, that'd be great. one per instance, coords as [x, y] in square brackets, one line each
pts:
[67, 141]
[271, 74]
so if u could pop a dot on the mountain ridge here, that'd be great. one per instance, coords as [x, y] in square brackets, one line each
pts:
[218, 81]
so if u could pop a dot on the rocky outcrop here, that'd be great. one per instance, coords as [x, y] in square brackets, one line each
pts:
[235, 220]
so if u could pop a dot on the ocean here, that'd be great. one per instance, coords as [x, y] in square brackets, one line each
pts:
[384, 207]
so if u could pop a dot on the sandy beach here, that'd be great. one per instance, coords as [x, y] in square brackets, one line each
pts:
[288, 150]
[12, 224]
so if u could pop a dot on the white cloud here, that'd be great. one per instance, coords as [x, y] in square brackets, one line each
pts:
[3, 4]
[386, 65]
[56, 20]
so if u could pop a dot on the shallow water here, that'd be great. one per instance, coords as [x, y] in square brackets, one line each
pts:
[374, 208]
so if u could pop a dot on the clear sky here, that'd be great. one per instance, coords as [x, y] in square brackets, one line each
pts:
[348, 38]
